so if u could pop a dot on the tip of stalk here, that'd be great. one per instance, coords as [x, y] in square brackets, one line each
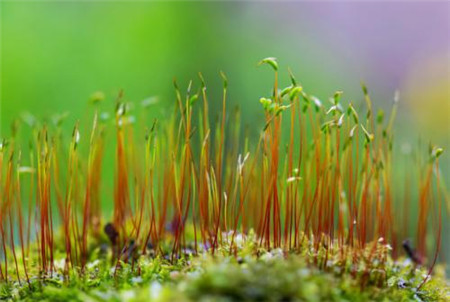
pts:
[291, 76]
[225, 80]
[188, 91]
[120, 109]
[174, 81]
[271, 61]
[97, 97]
[380, 116]
[396, 96]
[337, 96]
[75, 136]
[436, 152]
[202, 80]
[369, 136]
[364, 88]
[119, 96]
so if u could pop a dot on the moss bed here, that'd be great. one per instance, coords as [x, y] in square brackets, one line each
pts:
[253, 274]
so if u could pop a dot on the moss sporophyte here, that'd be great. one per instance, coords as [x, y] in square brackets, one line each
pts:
[310, 209]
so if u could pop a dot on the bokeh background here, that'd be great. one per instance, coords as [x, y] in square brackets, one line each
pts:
[55, 54]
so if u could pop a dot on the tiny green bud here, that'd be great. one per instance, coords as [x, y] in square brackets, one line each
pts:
[97, 97]
[193, 99]
[202, 80]
[326, 127]
[380, 116]
[294, 92]
[280, 109]
[271, 61]
[351, 111]
[305, 108]
[224, 79]
[337, 97]
[436, 152]
[369, 136]
[285, 91]
[291, 76]
[265, 103]
[364, 88]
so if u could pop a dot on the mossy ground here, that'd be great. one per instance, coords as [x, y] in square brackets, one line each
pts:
[253, 274]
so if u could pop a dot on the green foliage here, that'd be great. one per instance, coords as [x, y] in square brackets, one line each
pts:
[254, 275]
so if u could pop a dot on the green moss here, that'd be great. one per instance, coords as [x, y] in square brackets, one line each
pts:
[251, 275]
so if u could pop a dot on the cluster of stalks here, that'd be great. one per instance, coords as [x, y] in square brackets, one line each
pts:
[318, 174]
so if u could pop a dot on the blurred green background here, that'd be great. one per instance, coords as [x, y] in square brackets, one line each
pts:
[55, 54]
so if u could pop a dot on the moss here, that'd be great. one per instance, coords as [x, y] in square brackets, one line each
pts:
[321, 217]
[253, 274]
